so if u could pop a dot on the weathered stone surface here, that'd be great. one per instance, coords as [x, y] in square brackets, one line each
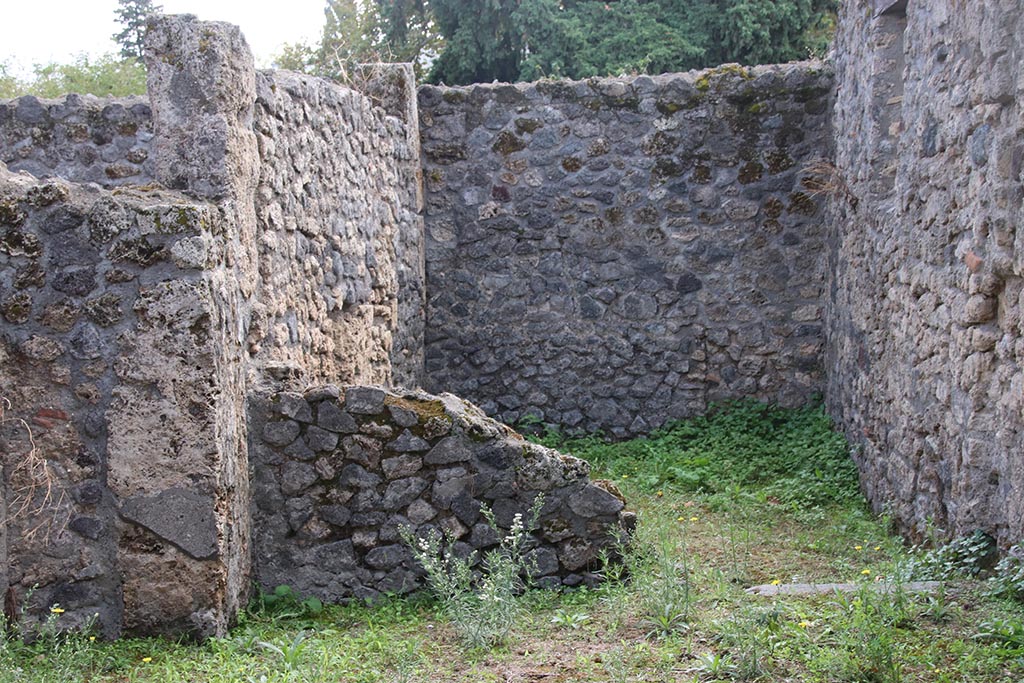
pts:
[364, 400]
[401, 466]
[331, 417]
[321, 439]
[407, 442]
[280, 433]
[771, 590]
[440, 484]
[611, 254]
[924, 320]
[339, 235]
[81, 138]
[593, 501]
[183, 517]
[296, 477]
[402, 492]
[293, 405]
[599, 266]
[117, 374]
[448, 451]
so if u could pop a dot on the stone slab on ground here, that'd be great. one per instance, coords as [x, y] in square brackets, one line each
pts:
[768, 589]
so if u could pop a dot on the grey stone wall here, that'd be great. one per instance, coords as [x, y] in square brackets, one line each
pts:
[134, 321]
[109, 357]
[606, 254]
[338, 473]
[924, 317]
[339, 236]
[82, 138]
[614, 253]
[392, 87]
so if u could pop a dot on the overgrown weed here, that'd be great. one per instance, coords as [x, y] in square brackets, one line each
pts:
[791, 456]
[481, 602]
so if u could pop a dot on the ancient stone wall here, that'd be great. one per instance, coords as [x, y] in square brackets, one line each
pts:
[338, 474]
[341, 287]
[606, 254]
[925, 345]
[114, 479]
[134, 326]
[82, 138]
[613, 253]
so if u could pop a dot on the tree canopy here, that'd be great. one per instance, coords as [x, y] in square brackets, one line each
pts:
[527, 39]
[131, 14]
[367, 31]
[466, 41]
[105, 75]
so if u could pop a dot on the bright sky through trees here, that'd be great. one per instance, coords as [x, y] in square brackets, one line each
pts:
[39, 32]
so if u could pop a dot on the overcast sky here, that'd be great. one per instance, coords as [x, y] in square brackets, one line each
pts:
[34, 31]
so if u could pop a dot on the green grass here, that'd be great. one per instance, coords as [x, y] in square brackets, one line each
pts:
[746, 495]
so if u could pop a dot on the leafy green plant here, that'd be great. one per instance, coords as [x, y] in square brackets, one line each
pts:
[1007, 633]
[571, 620]
[867, 635]
[616, 664]
[937, 608]
[63, 651]
[289, 652]
[715, 665]
[406, 660]
[658, 571]
[482, 605]
[1008, 576]
[752, 636]
[285, 603]
[965, 556]
[793, 457]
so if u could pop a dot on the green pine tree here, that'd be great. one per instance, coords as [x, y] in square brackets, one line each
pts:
[131, 14]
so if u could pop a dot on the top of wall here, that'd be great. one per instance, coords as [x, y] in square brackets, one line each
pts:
[619, 91]
[81, 138]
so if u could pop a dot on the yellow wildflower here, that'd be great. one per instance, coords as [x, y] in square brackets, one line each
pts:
[147, 660]
[57, 610]
[866, 572]
[776, 582]
[804, 624]
[858, 547]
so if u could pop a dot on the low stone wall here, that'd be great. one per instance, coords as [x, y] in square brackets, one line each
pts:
[120, 496]
[926, 313]
[82, 138]
[338, 474]
[614, 253]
